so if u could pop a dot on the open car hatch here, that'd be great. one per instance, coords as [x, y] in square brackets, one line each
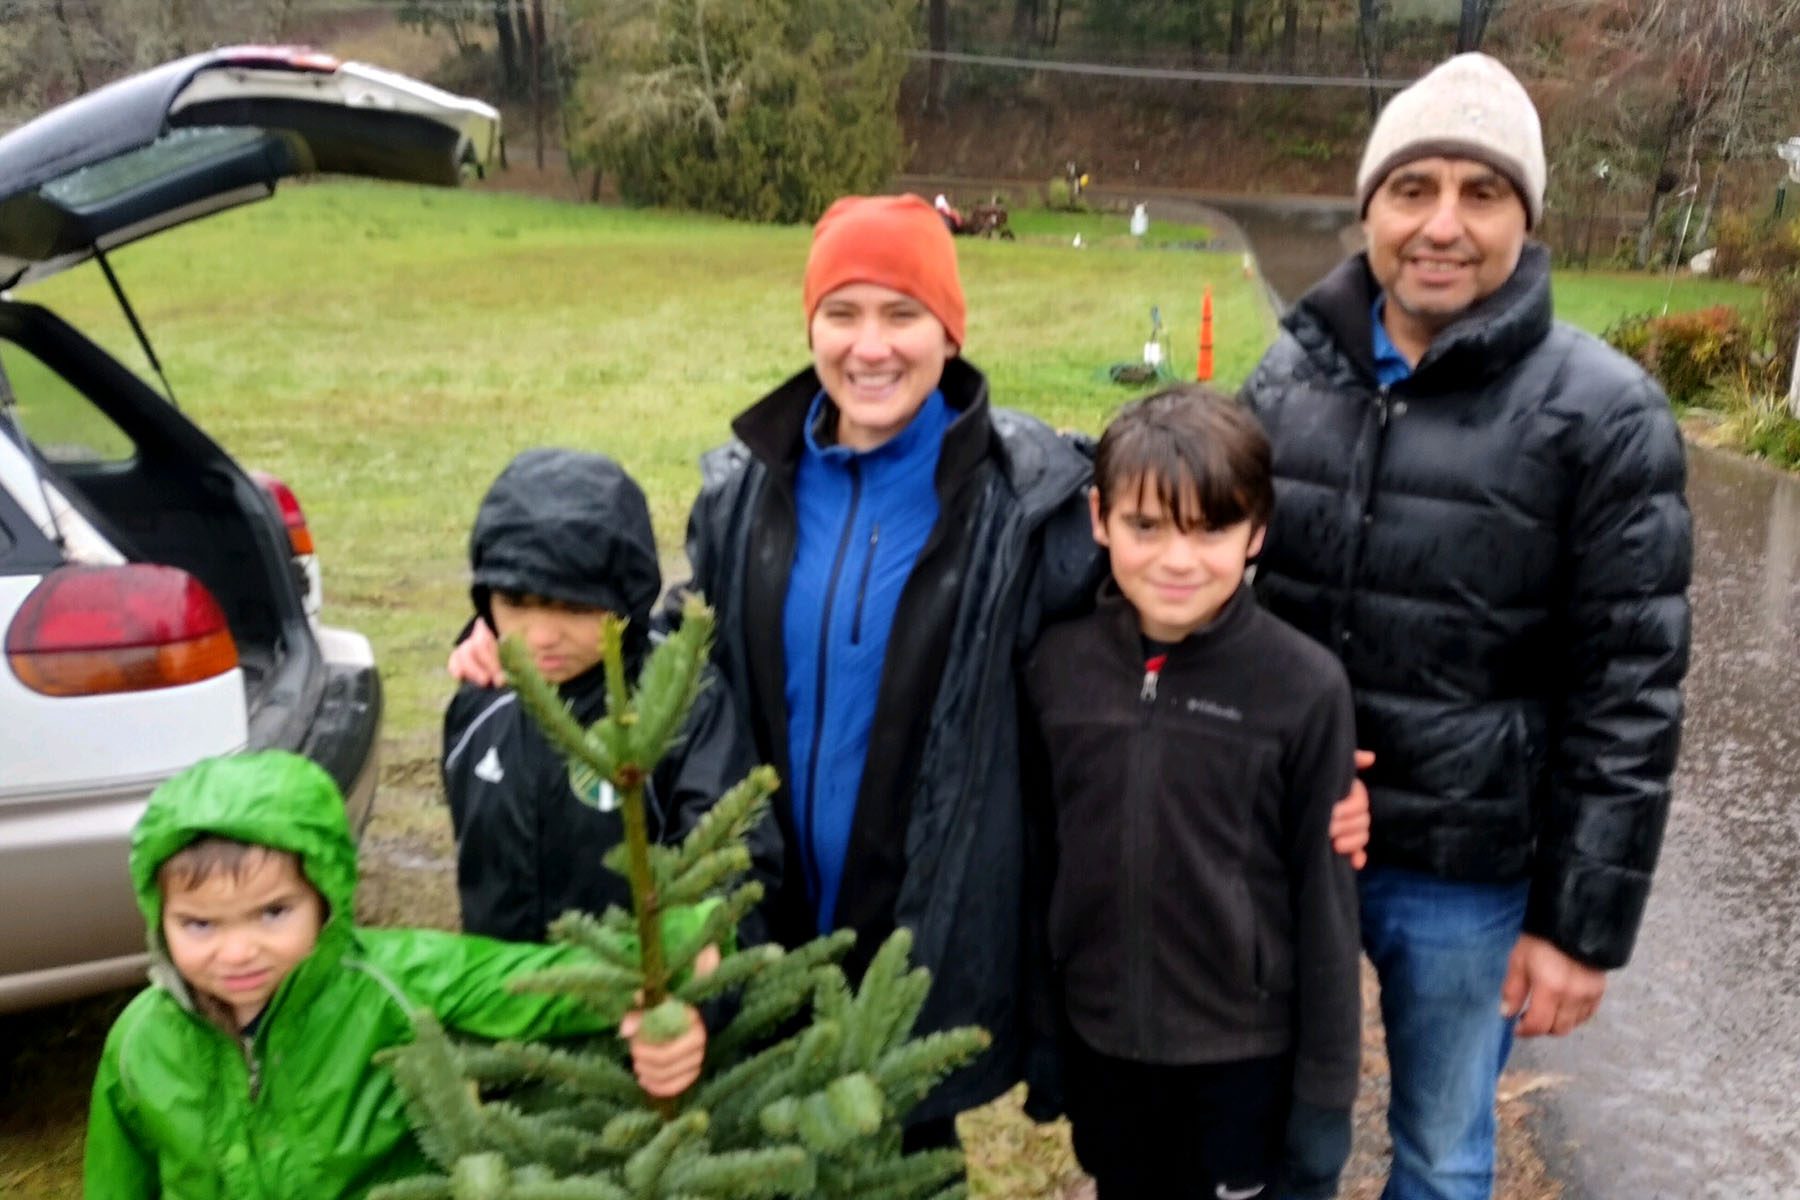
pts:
[210, 132]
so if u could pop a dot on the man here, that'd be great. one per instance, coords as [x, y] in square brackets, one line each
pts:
[1481, 511]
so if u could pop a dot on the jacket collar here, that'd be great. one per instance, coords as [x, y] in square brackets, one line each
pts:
[1122, 619]
[773, 429]
[1334, 319]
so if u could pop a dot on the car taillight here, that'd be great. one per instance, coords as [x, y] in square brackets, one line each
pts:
[299, 536]
[299, 58]
[87, 631]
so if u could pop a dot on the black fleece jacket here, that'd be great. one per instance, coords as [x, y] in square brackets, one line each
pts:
[1199, 913]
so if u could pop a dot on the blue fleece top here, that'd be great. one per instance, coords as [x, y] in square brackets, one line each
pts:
[864, 517]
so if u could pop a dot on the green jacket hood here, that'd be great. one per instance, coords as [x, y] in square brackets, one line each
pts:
[269, 798]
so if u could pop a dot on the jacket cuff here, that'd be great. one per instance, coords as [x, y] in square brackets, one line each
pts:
[1589, 910]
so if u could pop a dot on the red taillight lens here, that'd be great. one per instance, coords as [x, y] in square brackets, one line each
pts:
[87, 631]
[299, 536]
[301, 58]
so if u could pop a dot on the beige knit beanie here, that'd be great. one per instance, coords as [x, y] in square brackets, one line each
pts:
[1468, 107]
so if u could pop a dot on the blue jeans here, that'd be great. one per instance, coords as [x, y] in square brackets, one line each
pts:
[1440, 949]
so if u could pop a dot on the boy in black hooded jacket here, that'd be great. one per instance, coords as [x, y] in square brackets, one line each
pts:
[561, 539]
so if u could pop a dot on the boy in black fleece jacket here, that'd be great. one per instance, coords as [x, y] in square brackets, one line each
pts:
[1203, 932]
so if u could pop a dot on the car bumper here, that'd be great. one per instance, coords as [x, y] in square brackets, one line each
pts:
[69, 923]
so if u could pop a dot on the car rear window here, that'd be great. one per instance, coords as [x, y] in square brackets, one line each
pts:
[61, 422]
[177, 151]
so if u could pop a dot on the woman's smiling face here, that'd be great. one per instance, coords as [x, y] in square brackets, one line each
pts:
[879, 353]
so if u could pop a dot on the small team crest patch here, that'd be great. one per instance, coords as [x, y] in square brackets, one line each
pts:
[592, 790]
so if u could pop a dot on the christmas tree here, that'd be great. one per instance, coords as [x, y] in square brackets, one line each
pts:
[806, 1081]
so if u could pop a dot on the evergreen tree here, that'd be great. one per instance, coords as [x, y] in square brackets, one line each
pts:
[761, 109]
[806, 1080]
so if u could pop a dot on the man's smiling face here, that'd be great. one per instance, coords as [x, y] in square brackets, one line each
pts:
[1443, 233]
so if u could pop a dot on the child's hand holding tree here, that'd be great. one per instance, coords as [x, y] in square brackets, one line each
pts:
[668, 1045]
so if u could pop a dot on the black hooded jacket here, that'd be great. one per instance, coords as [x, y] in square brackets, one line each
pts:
[568, 526]
[1498, 549]
[939, 842]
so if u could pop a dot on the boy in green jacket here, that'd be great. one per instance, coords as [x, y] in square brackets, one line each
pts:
[245, 1072]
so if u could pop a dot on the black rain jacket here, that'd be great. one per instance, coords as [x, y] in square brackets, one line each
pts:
[570, 526]
[1498, 548]
[939, 839]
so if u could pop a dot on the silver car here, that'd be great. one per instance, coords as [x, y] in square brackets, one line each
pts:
[158, 602]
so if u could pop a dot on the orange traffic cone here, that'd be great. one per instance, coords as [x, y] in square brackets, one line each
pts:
[1205, 371]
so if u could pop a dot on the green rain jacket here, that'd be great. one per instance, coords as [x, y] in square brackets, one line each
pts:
[185, 1111]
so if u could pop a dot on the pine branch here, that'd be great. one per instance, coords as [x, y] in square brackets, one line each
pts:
[779, 1171]
[629, 1132]
[619, 709]
[732, 973]
[548, 711]
[908, 1073]
[590, 1073]
[846, 1110]
[716, 1095]
[731, 819]
[439, 1102]
[645, 1168]
[606, 937]
[670, 683]
[708, 875]
[717, 928]
[423, 1187]
[899, 1178]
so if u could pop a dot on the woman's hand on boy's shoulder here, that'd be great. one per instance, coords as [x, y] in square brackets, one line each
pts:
[1349, 828]
[476, 658]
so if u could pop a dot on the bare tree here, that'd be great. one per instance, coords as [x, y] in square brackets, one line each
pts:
[1234, 47]
[1473, 23]
[937, 34]
[1369, 15]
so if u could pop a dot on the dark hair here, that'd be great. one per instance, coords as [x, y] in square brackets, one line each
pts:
[206, 856]
[1194, 441]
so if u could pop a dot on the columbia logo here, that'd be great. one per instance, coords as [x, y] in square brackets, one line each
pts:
[1223, 712]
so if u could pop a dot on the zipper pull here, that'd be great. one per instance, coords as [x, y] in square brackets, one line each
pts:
[1382, 407]
[1152, 672]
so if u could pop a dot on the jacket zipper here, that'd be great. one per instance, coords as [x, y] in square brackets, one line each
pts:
[252, 1065]
[1138, 846]
[1360, 534]
[862, 588]
[807, 847]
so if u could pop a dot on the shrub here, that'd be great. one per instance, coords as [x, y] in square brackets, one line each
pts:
[1689, 353]
[1757, 247]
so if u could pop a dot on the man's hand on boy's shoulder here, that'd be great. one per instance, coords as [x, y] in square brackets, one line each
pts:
[476, 658]
[1349, 828]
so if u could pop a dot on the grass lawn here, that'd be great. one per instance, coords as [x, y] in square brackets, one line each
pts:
[1098, 228]
[1596, 299]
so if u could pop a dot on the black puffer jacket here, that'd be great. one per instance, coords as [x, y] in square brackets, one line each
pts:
[1498, 548]
[938, 843]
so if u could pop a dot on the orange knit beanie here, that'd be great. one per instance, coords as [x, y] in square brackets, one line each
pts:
[898, 242]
